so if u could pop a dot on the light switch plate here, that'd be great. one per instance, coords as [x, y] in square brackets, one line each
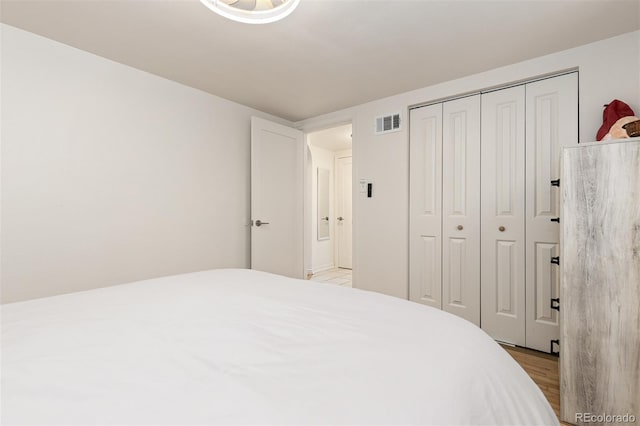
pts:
[363, 186]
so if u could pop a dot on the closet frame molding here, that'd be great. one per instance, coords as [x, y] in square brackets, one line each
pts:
[496, 88]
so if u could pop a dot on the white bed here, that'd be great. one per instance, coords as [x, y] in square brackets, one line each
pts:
[244, 347]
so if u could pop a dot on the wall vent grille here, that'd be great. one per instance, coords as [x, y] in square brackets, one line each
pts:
[388, 123]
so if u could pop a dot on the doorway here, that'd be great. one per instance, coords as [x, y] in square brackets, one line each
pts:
[331, 205]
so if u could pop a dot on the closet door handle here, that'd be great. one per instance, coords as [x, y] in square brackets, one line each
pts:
[502, 229]
[460, 227]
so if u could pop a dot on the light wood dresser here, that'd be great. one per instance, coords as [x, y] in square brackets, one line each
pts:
[600, 283]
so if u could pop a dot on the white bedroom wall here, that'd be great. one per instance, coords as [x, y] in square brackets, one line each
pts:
[607, 69]
[322, 254]
[110, 174]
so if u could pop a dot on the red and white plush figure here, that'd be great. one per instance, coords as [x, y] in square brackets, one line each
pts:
[616, 131]
[613, 112]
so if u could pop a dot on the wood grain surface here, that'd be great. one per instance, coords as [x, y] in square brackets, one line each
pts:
[600, 287]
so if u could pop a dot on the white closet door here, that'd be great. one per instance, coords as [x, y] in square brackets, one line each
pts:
[552, 122]
[425, 206]
[461, 208]
[503, 258]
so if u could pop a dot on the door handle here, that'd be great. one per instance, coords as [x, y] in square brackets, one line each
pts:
[340, 218]
[324, 218]
[260, 223]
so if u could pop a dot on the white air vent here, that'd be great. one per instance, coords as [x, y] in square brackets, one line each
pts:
[388, 123]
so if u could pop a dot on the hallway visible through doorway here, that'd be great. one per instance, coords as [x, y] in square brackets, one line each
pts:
[330, 211]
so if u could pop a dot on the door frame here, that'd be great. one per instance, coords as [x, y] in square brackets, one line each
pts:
[306, 130]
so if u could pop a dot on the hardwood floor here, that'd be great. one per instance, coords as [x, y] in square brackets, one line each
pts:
[544, 370]
[339, 276]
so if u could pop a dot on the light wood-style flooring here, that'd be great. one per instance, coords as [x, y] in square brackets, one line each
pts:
[338, 276]
[544, 370]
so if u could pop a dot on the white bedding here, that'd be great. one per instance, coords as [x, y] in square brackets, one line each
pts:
[245, 347]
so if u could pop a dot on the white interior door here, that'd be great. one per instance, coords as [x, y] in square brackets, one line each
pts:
[461, 208]
[344, 216]
[503, 204]
[425, 206]
[277, 199]
[552, 122]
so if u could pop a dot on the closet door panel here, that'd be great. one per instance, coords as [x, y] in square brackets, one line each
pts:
[552, 123]
[425, 206]
[461, 208]
[545, 273]
[503, 205]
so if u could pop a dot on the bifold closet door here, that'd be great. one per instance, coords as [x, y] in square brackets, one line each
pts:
[502, 218]
[552, 123]
[461, 208]
[425, 206]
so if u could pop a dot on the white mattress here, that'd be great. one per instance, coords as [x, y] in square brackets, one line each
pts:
[245, 347]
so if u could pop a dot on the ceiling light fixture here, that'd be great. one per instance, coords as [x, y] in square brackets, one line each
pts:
[252, 11]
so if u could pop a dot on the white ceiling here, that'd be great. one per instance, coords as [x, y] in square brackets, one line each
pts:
[334, 139]
[328, 54]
